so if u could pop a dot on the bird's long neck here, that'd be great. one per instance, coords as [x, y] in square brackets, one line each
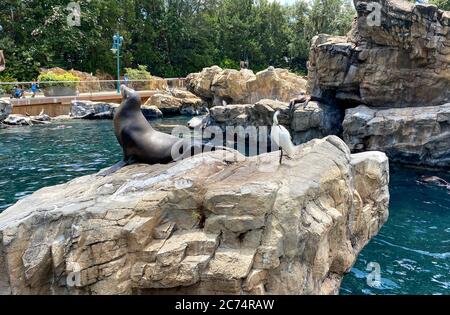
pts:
[275, 119]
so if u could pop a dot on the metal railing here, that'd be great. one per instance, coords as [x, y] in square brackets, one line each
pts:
[17, 90]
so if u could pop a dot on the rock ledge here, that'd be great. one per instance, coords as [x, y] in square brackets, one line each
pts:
[213, 224]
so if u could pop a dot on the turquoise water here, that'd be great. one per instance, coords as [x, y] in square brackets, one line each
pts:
[412, 249]
[39, 156]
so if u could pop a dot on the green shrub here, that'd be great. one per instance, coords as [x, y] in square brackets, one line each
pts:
[229, 64]
[65, 79]
[6, 89]
[140, 73]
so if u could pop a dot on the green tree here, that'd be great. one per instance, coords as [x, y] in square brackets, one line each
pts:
[332, 17]
[442, 4]
[170, 37]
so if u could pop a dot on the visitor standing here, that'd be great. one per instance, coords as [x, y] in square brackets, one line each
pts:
[34, 88]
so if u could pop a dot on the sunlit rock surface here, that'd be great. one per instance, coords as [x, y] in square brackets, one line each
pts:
[414, 135]
[101, 110]
[226, 86]
[176, 102]
[92, 110]
[5, 109]
[391, 68]
[306, 121]
[212, 224]
[403, 62]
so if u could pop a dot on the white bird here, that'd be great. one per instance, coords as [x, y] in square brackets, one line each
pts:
[224, 103]
[281, 137]
[199, 121]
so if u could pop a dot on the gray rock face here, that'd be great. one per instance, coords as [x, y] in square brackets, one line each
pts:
[403, 62]
[217, 85]
[308, 121]
[418, 135]
[213, 224]
[176, 102]
[22, 120]
[92, 110]
[100, 110]
[5, 109]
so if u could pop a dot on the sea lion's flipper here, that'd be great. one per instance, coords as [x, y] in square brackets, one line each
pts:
[116, 167]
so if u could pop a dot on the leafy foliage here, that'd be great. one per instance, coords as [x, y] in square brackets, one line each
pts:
[64, 79]
[140, 73]
[170, 37]
[442, 4]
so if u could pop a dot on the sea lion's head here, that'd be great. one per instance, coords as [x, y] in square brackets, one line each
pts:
[130, 98]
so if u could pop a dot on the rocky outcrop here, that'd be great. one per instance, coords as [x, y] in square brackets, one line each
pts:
[212, 224]
[415, 135]
[279, 84]
[89, 83]
[217, 86]
[390, 65]
[100, 110]
[5, 109]
[92, 110]
[177, 102]
[402, 62]
[152, 84]
[23, 120]
[306, 122]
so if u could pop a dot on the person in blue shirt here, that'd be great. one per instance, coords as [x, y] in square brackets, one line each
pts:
[17, 92]
[34, 88]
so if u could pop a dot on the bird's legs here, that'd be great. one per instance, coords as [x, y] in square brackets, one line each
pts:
[281, 156]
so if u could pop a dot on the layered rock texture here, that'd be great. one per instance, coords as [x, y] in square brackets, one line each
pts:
[212, 224]
[5, 109]
[89, 82]
[217, 85]
[402, 62]
[414, 135]
[22, 120]
[390, 65]
[306, 121]
[101, 110]
[176, 102]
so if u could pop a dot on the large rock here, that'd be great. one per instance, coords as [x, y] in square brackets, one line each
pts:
[307, 121]
[177, 102]
[5, 109]
[100, 110]
[414, 135]
[279, 84]
[231, 86]
[153, 83]
[216, 85]
[92, 110]
[403, 62]
[200, 83]
[25, 120]
[89, 83]
[212, 224]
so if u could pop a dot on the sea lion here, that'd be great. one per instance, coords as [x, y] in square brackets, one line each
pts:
[141, 143]
[435, 180]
